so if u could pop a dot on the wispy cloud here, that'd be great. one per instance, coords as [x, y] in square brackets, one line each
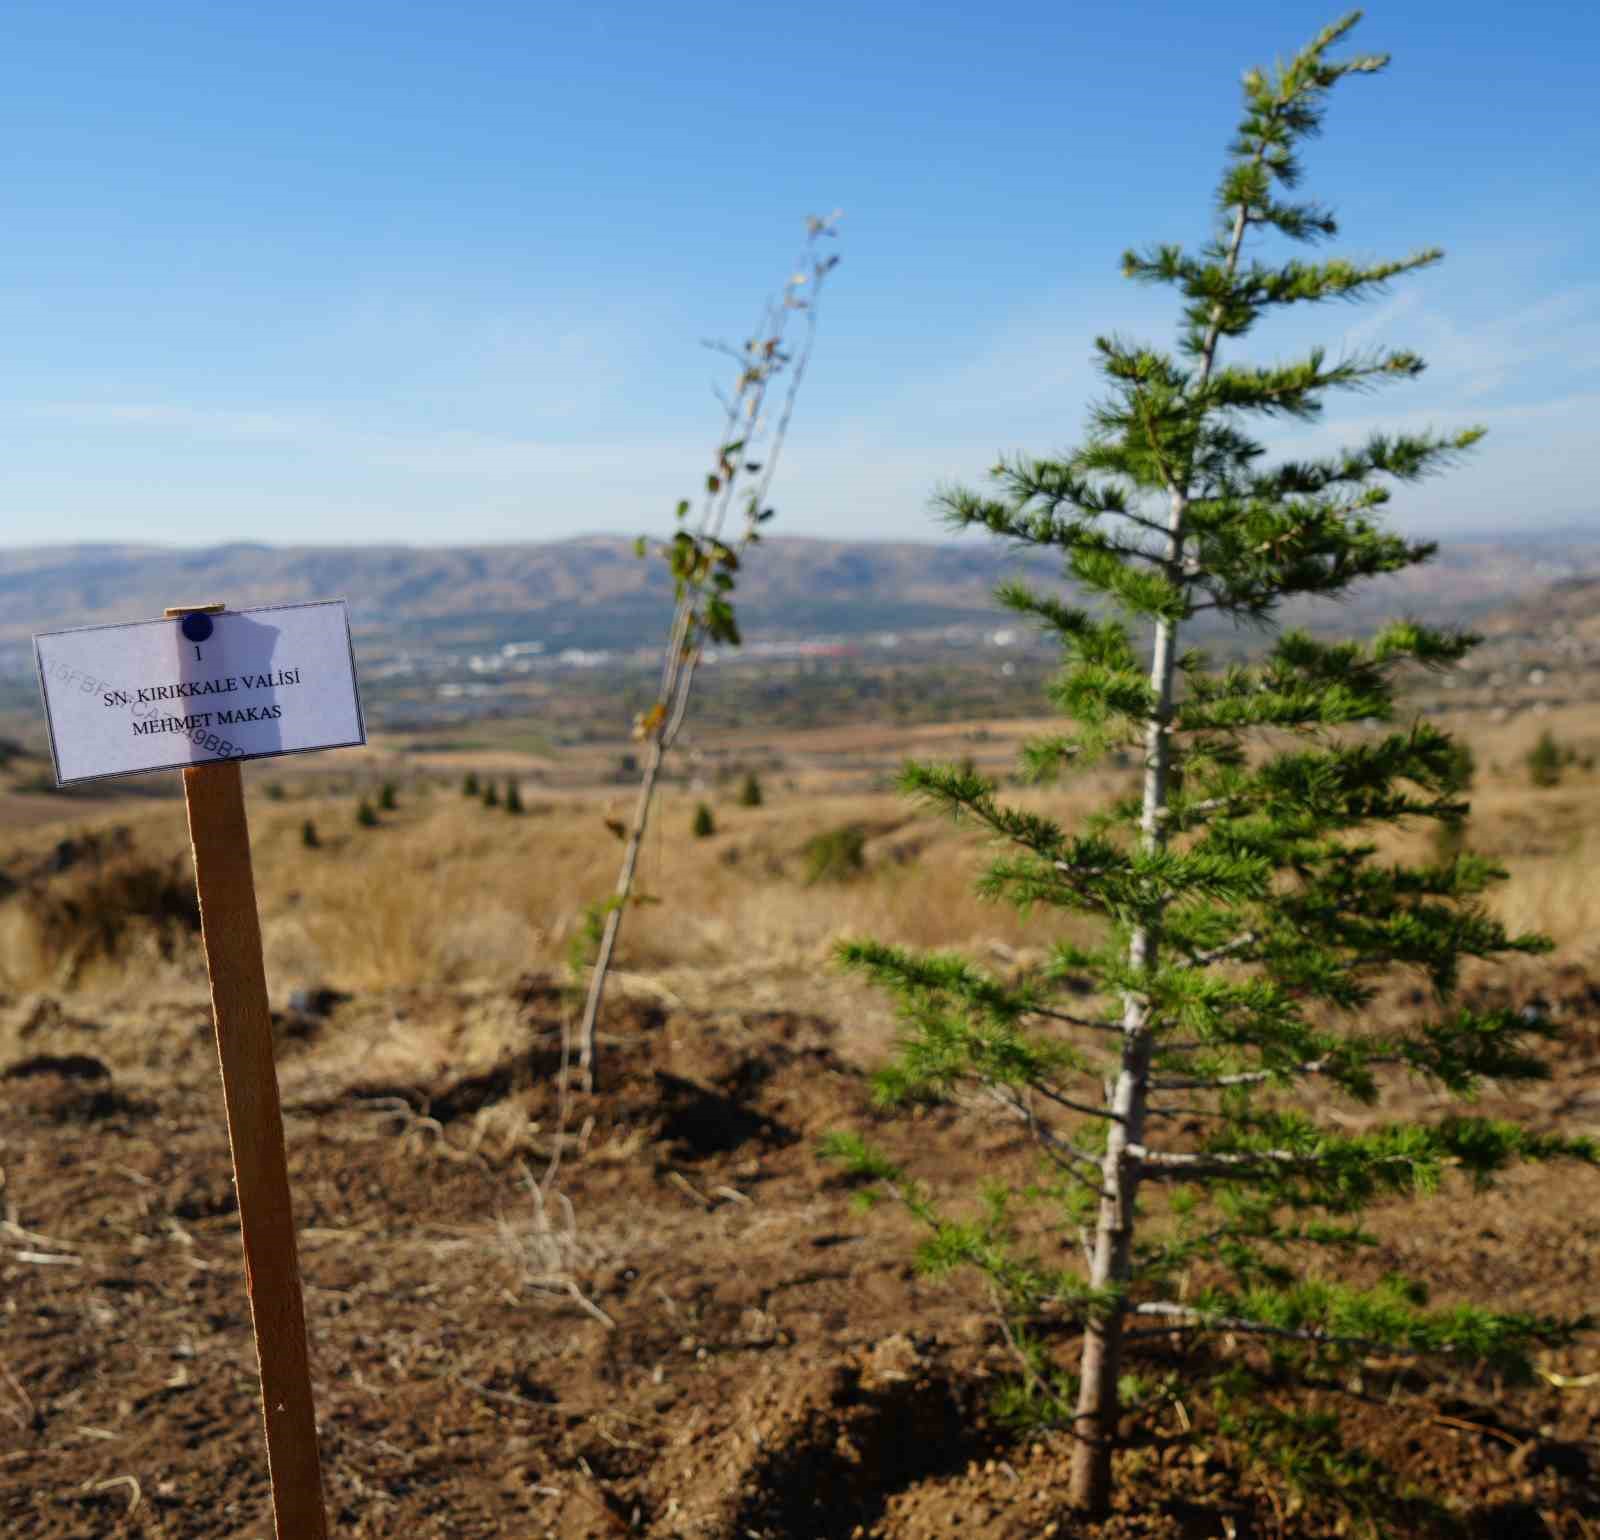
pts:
[171, 417]
[1516, 351]
[1038, 363]
[512, 458]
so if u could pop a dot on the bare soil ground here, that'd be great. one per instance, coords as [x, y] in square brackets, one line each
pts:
[687, 1330]
[693, 1335]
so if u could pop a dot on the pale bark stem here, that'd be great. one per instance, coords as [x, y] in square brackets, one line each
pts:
[676, 681]
[1099, 1405]
[608, 937]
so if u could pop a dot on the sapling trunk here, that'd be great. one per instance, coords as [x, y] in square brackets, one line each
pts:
[681, 676]
[613, 925]
[1099, 1406]
[1098, 1403]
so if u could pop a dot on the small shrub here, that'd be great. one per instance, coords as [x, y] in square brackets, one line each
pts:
[1450, 836]
[105, 910]
[835, 855]
[275, 792]
[491, 797]
[387, 799]
[470, 786]
[1547, 759]
[365, 816]
[309, 837]
[1449, 840]
[513, 797]
[750, 791]
[704, 824]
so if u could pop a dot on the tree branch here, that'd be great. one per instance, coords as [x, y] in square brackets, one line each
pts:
[1087, 1109]
[1155, 527]
[1064, 1155]
[1182, 809]
[1162, 1166]
[1190, 1319]
[1076, 1021]
[1219, 1082]
[1227, 949]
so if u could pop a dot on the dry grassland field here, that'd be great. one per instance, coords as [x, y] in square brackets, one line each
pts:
[688, 1331]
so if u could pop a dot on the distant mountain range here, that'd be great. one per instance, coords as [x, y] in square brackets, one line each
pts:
[594, 592]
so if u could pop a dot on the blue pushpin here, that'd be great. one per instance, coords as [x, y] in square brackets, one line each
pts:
[196, 627]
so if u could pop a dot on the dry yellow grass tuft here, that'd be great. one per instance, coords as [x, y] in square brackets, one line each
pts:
[456, 893]
[448, 893]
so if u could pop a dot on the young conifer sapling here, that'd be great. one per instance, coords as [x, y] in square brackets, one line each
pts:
[1249, 918]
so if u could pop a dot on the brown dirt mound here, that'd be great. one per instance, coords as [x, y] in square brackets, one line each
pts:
[691, 1336]
[67, 1088]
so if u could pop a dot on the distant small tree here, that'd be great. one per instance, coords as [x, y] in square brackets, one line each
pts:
[1450, 836]
[1247, 917]
[835, 855]
[750, 790]
[275, 791]
[704, 555]
[491, 797]
[703, 824]
[387, 799]
[1546, 760]
[470, 786]
[365, 816]
[308, 836]
[513, 797]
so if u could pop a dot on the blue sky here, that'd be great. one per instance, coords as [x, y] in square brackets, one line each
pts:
[440, 273]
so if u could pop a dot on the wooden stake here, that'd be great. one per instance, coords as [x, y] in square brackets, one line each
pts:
[231, 931]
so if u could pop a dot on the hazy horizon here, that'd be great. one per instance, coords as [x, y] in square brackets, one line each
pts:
[1487, 536]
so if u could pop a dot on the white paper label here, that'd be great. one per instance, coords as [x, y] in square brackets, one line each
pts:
[146, 696]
